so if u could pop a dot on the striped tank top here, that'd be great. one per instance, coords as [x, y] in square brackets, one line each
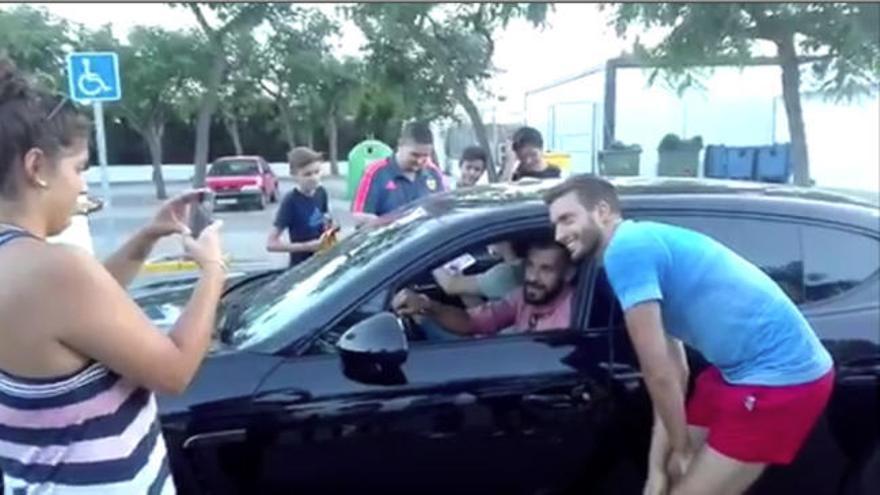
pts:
[87, 433]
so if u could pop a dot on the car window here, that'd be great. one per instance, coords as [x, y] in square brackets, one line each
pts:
[321, 279]
[836, 261]
[771, 245]
[234, 167]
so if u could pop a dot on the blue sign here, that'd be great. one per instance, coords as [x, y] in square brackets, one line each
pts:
[94, 76]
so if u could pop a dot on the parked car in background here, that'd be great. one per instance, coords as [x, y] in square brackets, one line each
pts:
[242, 180]
[313, 386]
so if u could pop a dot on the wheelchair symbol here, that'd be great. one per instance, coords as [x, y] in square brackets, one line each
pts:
[89, 83]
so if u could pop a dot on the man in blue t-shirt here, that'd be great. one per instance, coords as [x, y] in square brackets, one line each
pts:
[770, 377]
[304, 210]
[400, 179]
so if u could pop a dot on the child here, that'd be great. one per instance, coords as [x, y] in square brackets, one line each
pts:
[471, 167]
[304, 210]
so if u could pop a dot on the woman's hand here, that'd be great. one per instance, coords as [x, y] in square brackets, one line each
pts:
[207, 248]
[172, 215]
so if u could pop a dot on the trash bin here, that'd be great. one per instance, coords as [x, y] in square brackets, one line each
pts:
[620, 160]
[715, 161]
[679, 157]
[359, 157]
[773, 163]
[741, 163]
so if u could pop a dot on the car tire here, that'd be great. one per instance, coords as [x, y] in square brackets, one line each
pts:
[274, 197]
[261, 202]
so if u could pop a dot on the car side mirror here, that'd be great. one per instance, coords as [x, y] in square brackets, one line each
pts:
[373, 350]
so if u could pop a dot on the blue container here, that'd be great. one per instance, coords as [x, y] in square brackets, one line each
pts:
[715, 161]
[774, 163]
[741, 162]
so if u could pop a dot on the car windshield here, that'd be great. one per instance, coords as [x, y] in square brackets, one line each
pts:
[234, 167]
[265, 320]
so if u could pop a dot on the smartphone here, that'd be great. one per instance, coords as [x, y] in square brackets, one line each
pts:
[201, 213]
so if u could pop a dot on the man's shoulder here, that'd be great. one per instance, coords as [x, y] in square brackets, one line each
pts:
[377, 166]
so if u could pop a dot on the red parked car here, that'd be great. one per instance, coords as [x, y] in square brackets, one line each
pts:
[243, 179]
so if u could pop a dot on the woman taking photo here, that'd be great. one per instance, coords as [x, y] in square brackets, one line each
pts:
[79, 361]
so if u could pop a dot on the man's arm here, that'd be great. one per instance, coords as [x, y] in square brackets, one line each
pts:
[659, 452]
[457, 285]
[661, 370]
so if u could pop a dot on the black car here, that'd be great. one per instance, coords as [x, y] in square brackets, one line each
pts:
[313, 386]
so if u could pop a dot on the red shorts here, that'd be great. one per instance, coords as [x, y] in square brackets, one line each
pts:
[755, 423]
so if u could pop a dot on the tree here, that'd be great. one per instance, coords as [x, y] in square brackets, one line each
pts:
[289, 64]
[160, 69]
[840, 41]
[37, 42]
[450, 45]
[335, 94]
[233, 19]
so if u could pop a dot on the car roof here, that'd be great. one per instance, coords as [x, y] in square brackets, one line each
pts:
[238, 157]
[533, 189]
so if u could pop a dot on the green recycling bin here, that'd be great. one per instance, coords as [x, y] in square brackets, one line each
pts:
[359, 157]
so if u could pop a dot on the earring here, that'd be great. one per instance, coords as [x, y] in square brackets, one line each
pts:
[42, 183]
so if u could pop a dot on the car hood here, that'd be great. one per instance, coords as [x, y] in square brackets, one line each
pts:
[163, 298]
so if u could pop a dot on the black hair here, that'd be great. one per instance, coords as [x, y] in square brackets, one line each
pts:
[474, 153]
[31, 117]
[527, 136]
[548, 243]
[590, 190]
[416, 133]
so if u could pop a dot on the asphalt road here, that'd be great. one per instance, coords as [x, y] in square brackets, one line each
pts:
[244, 230]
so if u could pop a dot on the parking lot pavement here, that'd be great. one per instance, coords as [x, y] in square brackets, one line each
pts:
[244, 230]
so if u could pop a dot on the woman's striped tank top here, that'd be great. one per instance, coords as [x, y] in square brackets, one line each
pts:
[88, 433]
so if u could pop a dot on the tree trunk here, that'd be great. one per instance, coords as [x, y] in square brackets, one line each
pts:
[206, 111]
[791, 83]
[479, 129]
[310, 139]
[154, 143]
[287, 125]
[232, 128]
[333, 143]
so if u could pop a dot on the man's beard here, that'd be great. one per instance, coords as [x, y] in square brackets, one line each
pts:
[547, 294]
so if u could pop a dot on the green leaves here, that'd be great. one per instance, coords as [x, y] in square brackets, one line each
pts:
[848, 34]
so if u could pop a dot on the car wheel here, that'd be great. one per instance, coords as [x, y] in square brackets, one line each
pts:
[261, 202]
[274, 197]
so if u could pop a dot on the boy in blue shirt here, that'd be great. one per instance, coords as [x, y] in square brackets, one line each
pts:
[304, 211]
[770, 377]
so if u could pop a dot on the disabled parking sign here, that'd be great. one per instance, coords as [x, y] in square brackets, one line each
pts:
[93, 76]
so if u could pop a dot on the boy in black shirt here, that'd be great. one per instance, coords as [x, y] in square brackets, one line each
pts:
[528, 147]
[304, 210]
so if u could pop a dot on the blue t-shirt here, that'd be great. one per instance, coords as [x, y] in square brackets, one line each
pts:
[716, 302]
[384, 187]
[303, 218]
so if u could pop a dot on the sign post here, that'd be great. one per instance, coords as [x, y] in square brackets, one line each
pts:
[93, 77]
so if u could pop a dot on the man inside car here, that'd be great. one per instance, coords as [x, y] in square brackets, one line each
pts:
[543, 302]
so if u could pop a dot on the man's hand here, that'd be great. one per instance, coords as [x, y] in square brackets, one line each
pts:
[657, 482]
[678, 464]
[172, 215]
[410, 303]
